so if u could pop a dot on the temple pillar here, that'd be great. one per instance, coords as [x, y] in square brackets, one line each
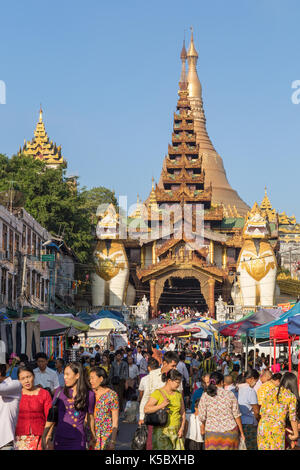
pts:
[211, 252]
[153, 300]
[143, 256]
[224, 257]
[211, 297]
[154, 252]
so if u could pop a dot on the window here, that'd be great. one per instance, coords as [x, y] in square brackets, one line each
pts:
[43, 290]
[17, 242]
[4, 237]
[11, 242]
[33, 247]
[3, 281]
[38, 285]
[24, 237]
[33, 283]
[28, 284]
[28, 241]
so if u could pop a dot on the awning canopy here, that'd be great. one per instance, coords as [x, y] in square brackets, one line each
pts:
[249, 322]
[52, 325]
[264, 331]
[294, 325]
[279, 332]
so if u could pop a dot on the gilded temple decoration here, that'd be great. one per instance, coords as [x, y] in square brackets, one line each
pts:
[41, 148]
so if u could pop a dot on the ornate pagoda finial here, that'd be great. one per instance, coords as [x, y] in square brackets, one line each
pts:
[41, 114]
[192, 50]
[194, 85]
[183, 57]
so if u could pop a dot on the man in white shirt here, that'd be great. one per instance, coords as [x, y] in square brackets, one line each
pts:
[181, 367]
[139, 355]
[43, 375]
[155, 382]
[10, 395]
[152, 365]
[59, 366]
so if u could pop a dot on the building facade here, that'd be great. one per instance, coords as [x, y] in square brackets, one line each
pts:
[26, 280]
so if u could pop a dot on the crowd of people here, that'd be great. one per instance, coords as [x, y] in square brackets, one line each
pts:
[180, 396]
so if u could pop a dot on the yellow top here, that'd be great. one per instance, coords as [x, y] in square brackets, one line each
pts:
[263, 390]
[174, 418]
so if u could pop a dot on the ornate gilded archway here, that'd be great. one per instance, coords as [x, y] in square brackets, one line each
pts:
[207, 284]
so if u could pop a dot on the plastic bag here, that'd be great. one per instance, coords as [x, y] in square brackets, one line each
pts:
[140, 438]
[242, 445]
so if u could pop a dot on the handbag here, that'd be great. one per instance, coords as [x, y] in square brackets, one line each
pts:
[53, 412]
[242, 445]
[140, 437]
[158, 418]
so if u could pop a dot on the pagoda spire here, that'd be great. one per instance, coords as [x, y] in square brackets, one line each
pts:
[183, 77]
[213, 166]
[41, 114]
[41, 148]
[194, 85]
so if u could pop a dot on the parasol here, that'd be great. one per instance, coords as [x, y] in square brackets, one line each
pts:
[108, 324]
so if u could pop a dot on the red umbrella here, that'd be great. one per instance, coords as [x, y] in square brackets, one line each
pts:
[171, 330]
[193, 330]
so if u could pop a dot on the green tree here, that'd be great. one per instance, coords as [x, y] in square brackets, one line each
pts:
[96, 197]
[54, 202]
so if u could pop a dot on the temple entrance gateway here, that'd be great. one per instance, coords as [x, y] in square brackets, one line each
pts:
[185, 292]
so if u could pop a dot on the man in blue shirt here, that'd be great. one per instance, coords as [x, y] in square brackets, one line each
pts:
[198, 393]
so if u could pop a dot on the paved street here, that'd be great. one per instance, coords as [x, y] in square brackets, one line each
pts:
[125, 435]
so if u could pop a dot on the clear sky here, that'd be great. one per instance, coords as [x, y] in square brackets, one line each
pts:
[107, 76]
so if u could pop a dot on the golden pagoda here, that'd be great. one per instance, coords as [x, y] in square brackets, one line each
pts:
[267, 208]
[215, 174]
[41, 148]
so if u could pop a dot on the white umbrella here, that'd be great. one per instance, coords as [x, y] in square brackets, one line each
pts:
[108, 324]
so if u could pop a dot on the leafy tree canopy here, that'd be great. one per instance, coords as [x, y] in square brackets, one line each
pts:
[55, 202]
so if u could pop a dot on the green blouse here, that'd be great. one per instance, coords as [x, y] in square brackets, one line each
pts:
[174, 417]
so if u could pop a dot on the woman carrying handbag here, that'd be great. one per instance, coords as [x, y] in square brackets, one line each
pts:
[168, 436]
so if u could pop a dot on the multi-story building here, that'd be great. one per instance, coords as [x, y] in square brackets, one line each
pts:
[21, 270]
[26, 280]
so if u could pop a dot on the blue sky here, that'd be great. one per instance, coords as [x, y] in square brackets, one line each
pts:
[107, 76]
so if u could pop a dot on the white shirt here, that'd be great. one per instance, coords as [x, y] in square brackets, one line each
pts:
[47, 379]
[133, 371]
[143, 383]
[139, 357]
[193, 432]
[10, 396]
[257, 385]
[153, 383]
[61, 379]
[181, 367]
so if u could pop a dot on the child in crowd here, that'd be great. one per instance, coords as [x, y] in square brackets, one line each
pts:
[230, 385]
[193, 438]
[131, 412]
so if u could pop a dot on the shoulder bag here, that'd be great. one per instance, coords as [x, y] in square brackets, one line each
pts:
[158, 418]
[53, 412]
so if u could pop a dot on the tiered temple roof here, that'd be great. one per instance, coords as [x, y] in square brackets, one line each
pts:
[41, 148]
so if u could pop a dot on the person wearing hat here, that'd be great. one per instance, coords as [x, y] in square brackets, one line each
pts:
[10, 396]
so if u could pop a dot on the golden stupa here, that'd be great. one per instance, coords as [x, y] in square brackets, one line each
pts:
[215, 175]
[41, 148]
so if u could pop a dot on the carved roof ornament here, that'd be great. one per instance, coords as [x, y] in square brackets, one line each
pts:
[256, 224]
[41, 148]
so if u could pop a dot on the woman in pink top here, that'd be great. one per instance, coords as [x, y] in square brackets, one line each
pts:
[220, 416]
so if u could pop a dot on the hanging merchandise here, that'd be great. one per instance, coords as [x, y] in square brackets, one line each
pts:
[295, 351]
